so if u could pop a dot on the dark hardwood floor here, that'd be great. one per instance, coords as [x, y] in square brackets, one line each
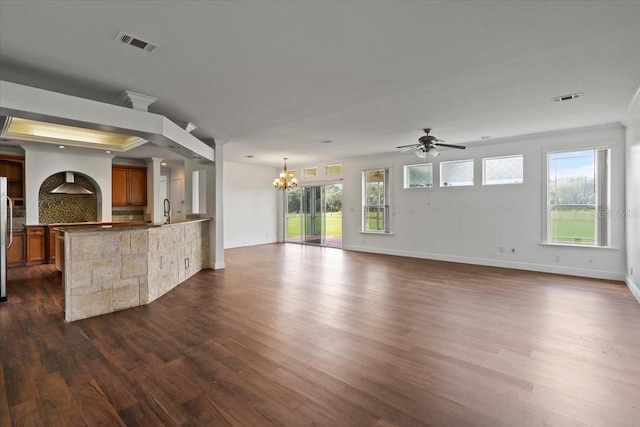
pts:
[299, 336]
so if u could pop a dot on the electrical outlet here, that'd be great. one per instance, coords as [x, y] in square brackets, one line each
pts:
[513, 250]
[557, 258]
[186, 263]
[500, 249]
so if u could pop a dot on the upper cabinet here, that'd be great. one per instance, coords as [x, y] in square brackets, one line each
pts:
[138, 187]
[129, 186]
[13, 168]
[119, 186]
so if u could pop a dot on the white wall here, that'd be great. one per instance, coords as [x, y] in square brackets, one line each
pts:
[468, 224]
[633, 198]
[41, 162]
[251, 205]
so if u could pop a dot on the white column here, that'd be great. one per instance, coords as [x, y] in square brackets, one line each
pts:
[216, 230]
[154, 202]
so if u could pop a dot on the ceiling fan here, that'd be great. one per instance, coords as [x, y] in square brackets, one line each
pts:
[427, 144]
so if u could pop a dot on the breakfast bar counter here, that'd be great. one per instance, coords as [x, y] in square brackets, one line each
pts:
[106, 269]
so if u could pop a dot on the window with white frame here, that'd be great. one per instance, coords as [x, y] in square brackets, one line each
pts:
[375, 200]
[418, 176]
[502, 170]
[309, 172]
[578, 197]
[457, 173]
[333, 169]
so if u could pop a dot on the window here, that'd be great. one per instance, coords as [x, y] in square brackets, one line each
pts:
[456, 174]
[578, 197]
[502, 170]
[310, 172]
[334, 169]
[375, 195]
[418, 176]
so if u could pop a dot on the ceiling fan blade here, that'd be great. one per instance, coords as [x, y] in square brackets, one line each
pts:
[410, 145]
[409, 148]
[459, 147]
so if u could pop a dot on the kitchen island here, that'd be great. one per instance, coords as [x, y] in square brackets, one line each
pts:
[106, 269]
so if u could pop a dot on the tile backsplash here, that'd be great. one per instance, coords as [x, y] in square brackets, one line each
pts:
[19, 218]
[57, 208]
[127, 214]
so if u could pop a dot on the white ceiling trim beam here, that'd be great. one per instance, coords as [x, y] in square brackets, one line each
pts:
[38, 104]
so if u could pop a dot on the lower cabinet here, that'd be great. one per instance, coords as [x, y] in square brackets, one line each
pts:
[52, 246]
[16, 253]
[35, 245]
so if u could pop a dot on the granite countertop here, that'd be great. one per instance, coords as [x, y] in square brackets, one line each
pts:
[84, 223]
[121, 226]
[96, 227]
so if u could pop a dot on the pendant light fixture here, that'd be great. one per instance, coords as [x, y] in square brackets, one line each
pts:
[286, 181]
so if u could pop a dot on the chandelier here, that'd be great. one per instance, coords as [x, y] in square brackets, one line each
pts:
[287, 181]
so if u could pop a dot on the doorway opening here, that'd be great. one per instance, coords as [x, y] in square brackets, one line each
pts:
[313, 215]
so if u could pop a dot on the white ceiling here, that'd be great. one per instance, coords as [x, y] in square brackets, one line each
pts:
[272, 79]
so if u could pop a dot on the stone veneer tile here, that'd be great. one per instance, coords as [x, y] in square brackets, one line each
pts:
[85, 247]
[110, 249]
[126, 293]
[83, 306]
[154, 289]
[143, 290]
[139, 242]
[176, 234]
[111, 237]
[125, 243]
[87, 289]
[153, 241]
[105, 275]
[81, 273]
[134, 266]
[113, 263]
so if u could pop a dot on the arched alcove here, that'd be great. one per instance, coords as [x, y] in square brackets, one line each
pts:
[68, 208]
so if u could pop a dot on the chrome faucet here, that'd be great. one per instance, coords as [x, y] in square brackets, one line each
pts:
[167, 210]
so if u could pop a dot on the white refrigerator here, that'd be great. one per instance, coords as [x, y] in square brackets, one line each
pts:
[6, 236]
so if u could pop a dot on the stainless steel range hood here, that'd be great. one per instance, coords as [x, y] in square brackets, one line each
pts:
[70, 186]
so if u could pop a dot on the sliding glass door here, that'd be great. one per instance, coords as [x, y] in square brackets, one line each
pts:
[314, 215]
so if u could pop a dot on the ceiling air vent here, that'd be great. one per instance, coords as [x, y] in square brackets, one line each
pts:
[135, 41]
[569, 97]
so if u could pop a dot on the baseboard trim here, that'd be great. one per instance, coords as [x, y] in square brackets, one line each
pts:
[634, 288]
[245, 244]
[542, 268]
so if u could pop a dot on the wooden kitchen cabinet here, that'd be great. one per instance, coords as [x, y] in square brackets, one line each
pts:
[138, 187]
[13, 168]
[119, 186]
[35, 245]
[52, 246]
[128, 186]
[16, 253]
